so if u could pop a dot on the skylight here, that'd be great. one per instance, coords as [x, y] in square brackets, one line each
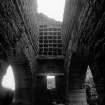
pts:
[52, 8]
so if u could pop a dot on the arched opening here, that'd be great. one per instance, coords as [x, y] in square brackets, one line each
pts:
[91, 92]
[8, 80]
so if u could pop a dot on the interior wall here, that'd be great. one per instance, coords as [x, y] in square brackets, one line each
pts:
[23, 78]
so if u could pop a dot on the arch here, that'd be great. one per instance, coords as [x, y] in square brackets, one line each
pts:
[97, 65]
[23, 76]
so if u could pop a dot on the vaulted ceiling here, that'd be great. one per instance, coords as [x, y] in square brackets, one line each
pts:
[18, 28]
[83, 25]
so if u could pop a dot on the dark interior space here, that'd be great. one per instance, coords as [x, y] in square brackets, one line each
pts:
[48, 59]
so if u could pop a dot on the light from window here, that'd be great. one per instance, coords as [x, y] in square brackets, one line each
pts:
[8, 80]
[51, 82]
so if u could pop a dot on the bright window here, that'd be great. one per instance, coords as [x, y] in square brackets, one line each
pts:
[51, 82]
[8, 80]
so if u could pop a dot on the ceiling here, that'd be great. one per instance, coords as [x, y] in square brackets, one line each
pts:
[18, 25]
[18, 29]
[83, 24]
